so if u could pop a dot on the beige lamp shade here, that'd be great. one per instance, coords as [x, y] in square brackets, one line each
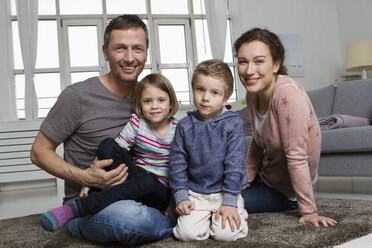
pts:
[359, 55]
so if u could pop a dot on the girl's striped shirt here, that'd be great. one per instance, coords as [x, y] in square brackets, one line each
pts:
[149, 151]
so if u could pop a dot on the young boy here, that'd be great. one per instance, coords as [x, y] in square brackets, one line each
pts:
[207, 162]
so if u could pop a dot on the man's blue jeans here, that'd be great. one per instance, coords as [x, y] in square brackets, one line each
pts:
[127, 221]
[261, 198]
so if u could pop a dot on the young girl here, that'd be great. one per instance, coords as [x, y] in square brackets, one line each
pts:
[148, 136]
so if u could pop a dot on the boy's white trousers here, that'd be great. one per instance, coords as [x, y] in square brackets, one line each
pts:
[201, 224]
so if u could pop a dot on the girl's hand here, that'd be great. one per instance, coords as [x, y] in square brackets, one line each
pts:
[185, 207]
[231, 215]
[315, 219]
[84, 191]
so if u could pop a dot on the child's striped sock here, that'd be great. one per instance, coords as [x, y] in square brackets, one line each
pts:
[57, 217]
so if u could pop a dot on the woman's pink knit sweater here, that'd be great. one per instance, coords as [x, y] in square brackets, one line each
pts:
[286, 151]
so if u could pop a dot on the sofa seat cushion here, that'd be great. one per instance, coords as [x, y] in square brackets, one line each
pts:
[353, 139]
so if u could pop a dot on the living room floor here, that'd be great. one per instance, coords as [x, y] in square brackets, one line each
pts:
[22, 202]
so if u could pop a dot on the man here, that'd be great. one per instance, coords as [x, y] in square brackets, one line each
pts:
[86, 113]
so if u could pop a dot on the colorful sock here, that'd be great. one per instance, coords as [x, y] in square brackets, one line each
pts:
[57, 217]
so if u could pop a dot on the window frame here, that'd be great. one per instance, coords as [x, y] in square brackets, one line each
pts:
[100, 20]
[67, 69]
[188, 65]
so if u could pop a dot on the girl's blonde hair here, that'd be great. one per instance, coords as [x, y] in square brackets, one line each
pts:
[161, 82]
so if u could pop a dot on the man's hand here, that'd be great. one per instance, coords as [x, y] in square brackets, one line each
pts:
[315, 219]
[185, 207]
[43, 154]
[229, 214]
[99, 178]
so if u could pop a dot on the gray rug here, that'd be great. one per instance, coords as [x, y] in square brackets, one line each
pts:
[265, 230]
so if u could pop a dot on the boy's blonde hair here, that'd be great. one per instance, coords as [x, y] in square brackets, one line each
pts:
[161, 82]
[217, 69]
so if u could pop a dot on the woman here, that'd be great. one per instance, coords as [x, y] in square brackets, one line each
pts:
[283, 157]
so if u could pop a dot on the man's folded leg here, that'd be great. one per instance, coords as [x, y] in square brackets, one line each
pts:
[127, 221]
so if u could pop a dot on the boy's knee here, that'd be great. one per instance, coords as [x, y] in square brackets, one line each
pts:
[224, 235]
[189, 234]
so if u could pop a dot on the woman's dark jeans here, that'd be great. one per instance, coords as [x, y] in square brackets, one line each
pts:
[261, 198]
[140, 185]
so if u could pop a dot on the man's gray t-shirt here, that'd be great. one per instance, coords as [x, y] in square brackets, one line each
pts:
[85, 114]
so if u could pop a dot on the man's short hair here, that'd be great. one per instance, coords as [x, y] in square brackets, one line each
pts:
[125, 22]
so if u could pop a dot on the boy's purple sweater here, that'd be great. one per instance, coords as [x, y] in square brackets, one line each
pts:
[208, 156]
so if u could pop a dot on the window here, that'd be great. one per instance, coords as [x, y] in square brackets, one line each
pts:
[70, 39]
[83, 41]
[173, 51]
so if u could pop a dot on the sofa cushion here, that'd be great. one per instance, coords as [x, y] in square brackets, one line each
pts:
[354, 98]
[351, 164]
[322, 100]
[353, 139]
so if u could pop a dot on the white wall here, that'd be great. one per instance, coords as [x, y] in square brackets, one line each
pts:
[315, 21]
[355, 23]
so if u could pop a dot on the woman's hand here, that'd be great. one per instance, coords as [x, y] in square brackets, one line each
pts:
[315, 219]
[246, 186]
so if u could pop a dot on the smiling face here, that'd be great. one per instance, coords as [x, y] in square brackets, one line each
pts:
[256, 68]
[126, 54]
[209, 95]
[155, 105]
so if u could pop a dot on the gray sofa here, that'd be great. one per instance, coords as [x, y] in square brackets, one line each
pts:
[345, 152]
